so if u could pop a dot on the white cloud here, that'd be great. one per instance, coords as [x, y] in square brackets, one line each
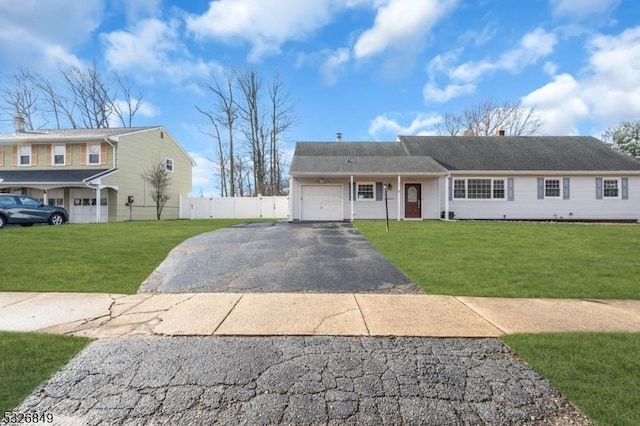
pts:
[550, 68]
[533, 46]
[580, 9]
[401, 25]
[153, 48]
[432, 93]
[385, 127]
[613, 80]
[333, 65]
[559, 105]
[607, 92]
[33, 38]
[265, 24]
[203, 180]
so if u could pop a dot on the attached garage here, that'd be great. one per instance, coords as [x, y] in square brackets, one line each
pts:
[321, 202]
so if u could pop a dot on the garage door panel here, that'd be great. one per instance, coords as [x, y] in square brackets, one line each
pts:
[322, 202]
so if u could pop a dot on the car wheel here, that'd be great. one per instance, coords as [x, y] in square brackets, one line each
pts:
[3, 221]
[56, 219]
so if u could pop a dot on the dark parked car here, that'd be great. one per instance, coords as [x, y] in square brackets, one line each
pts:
[26, 211]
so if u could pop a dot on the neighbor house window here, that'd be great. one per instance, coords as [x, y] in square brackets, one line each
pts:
[168, 164]
[610, 188]
[552, 188]
[365, 191]
[25, 155]
[58, 153]
[93, 154]
[474, 189]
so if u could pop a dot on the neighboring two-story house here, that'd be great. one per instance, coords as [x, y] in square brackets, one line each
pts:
[94, 173]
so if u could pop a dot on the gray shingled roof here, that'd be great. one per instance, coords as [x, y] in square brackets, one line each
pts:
[359, 158]
[47, 176]
[525, 153]
[437, 154]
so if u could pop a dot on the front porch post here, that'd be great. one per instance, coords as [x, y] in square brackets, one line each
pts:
[45, 197]
[352, 197]
[446, 198]
[399, 196]
[98, 204]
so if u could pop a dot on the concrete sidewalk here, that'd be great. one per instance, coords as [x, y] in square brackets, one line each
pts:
[271, 314]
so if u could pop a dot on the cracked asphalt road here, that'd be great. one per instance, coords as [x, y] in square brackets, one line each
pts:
[280, 257]
[300, 380]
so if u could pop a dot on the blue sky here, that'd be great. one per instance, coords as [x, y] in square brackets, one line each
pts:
[370, 69]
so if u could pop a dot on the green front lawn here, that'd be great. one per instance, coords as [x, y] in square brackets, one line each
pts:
[94, 258]
[513, 259]
[599, 373]
[27, 360]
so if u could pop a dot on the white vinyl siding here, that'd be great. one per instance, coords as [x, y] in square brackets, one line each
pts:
[582, 204]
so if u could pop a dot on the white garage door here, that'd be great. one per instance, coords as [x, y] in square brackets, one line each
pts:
[321, 202]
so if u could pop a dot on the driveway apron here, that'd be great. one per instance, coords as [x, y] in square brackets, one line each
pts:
[280, 257]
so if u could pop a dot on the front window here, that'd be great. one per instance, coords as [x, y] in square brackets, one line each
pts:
[168, 164]
[475, 189]
[94, 154]
[552, 188]
[59, 155]
[365, 191]
[459, 188]
[610, 188]
[25, 155]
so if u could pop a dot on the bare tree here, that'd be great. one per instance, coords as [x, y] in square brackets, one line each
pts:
[488, 118]
[281, 118]
[259, 116]
[159, 178]
[223, 113]
[84, 99]
[250, 85]
[20, 98]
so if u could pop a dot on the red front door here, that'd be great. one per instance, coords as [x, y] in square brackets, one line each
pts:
[412, 200]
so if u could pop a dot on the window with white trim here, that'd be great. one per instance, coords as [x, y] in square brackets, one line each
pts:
[610, 188]
[168, 164]
[365, 191]
[25, 155]
[479, 189]
[93, 153]
[552, 188]
[58, 154]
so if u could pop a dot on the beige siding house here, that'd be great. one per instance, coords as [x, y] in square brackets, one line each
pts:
[93, 172]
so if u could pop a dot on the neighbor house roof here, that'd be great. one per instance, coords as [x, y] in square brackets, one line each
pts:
[359, 158]
[520, 153]
[439, 154]
[49, 176]
[69, 134]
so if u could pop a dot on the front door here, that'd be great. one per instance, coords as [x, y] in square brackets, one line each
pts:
[412, 201]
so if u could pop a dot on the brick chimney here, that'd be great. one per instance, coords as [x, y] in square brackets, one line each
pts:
[18, 124]
[500, 132]
[338, 137]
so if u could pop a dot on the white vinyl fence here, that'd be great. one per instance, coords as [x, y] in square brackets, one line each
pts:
[270, 207]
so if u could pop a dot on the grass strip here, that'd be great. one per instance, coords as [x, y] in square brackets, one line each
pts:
[513, 259]
[597, 372]
[28, 359]
[92, 258]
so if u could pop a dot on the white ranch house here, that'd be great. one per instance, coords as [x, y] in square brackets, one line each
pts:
[440, 177]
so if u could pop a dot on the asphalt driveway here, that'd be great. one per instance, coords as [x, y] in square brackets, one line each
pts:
[278, 257]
